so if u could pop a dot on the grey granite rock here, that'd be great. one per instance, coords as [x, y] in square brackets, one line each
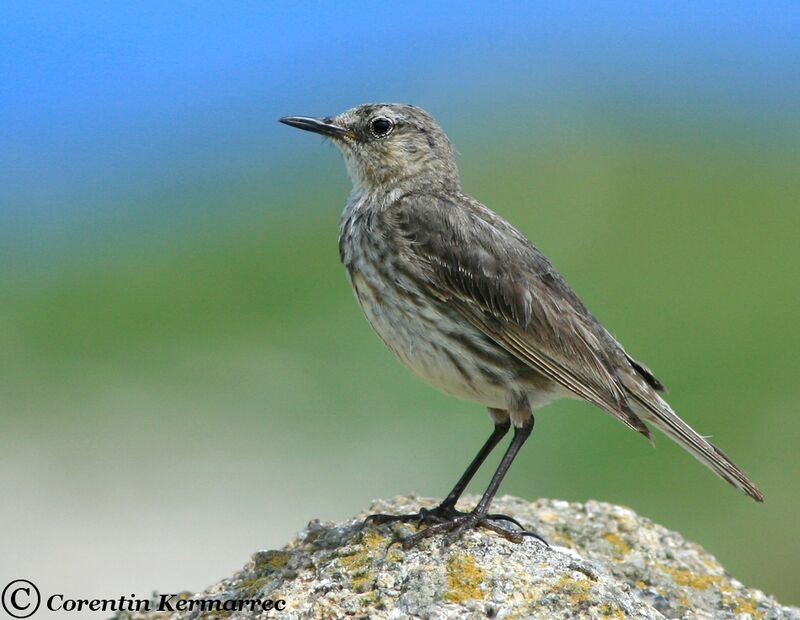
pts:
[605, 562]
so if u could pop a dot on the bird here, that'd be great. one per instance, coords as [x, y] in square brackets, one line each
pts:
[470, 305]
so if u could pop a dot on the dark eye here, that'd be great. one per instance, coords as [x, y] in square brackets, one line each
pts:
[381, 127]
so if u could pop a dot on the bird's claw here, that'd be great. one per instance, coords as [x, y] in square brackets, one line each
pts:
[453, 523]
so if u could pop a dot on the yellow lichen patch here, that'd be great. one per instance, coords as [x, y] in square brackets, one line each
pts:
[693, 580]
[619, 547]
[372, 539]
[576, 589]
[641, 584]
[746, 607]
[725, 587]
[709, 563]
[271, 560]
[357, 568]
[356, 564]
[464, 578]
[611, 611]
[360, 582]
[741, 605]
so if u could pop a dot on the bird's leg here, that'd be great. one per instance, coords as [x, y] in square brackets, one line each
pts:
[501, 427]
[446, 511]
[479, 516]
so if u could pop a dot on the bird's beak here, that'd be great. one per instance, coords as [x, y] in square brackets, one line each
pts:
[324, 126]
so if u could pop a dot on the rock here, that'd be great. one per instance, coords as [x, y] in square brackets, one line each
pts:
[604, 561]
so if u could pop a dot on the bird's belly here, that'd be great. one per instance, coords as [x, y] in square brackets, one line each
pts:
[432, 345]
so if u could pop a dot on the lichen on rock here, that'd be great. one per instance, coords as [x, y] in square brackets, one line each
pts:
[605, 562]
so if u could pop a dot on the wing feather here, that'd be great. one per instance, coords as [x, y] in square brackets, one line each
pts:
[486, 270]
[489, 273]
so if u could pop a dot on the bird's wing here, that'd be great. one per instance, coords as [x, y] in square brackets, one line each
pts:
[491, 274]
[486, 270]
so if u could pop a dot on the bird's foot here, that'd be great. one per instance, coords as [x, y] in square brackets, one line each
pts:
[440, 514]
[445, 519]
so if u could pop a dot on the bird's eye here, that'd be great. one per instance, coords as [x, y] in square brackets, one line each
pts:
[381, 127]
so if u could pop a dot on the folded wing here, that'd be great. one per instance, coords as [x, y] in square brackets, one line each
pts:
[492, 275]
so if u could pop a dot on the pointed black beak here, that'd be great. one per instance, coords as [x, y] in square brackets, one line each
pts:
[324, 126]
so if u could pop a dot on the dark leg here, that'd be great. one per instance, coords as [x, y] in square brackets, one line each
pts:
[456, 525]
[521, 434]
[500, 430]
[446, 510]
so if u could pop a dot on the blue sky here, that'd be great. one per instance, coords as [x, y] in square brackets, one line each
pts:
[99, 97]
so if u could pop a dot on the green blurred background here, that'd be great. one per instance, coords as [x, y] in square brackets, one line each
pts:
[185, 375]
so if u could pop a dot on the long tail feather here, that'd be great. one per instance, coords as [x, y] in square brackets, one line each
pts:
[655, 410]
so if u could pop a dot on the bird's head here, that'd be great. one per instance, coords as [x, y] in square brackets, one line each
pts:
[387, 144]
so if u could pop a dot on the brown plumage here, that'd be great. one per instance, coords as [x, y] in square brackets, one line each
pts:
[470, 305]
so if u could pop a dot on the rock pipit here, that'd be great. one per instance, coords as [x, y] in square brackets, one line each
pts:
[464, 300]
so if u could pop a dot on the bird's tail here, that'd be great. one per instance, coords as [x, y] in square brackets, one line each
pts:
[654, 409]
